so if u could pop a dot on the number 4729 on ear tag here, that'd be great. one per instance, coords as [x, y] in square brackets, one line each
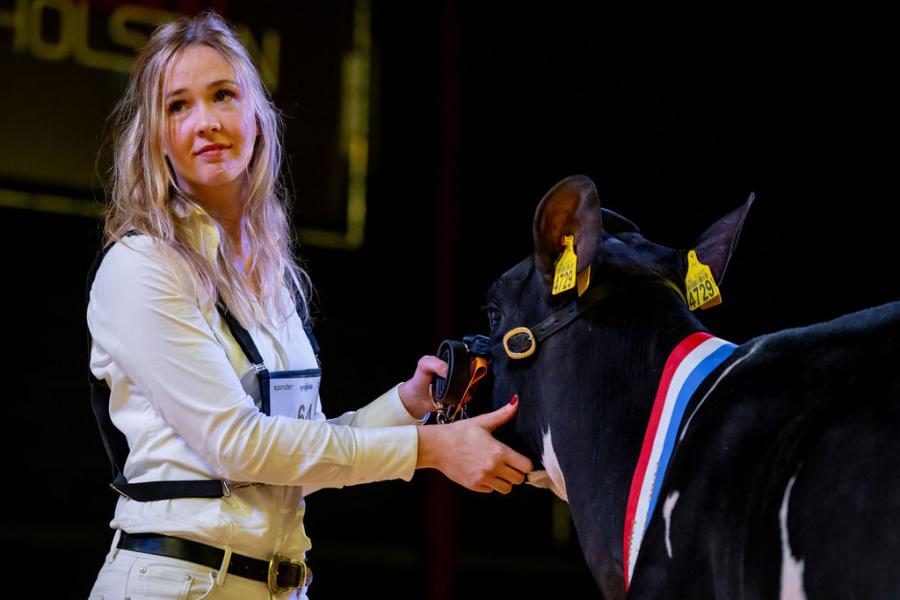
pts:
[701, 288]
[566, 266]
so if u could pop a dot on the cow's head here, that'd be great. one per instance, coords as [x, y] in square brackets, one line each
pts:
[586, 391]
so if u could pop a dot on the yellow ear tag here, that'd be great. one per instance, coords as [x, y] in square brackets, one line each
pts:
[702, 291]
[583, 280]
[566, 266]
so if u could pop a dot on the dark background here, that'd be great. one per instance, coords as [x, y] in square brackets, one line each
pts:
[477, 110]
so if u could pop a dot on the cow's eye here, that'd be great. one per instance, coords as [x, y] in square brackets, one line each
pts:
[493, 317]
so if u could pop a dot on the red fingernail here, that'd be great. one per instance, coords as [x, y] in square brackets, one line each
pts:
[514, 400]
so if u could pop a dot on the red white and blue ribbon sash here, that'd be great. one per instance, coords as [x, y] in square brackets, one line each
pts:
[688, 365]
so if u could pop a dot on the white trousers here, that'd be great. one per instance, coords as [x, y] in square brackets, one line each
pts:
[128, 575]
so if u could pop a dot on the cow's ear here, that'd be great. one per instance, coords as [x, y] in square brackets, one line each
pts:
[571, 207]
[716, 245]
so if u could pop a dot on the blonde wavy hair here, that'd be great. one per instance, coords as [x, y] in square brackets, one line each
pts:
[144, 196]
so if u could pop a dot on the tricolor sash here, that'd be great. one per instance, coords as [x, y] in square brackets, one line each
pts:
[688, 365]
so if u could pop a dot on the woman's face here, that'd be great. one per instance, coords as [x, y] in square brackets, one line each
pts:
[210, 128]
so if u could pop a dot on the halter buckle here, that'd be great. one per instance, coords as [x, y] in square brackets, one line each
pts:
[515, 336]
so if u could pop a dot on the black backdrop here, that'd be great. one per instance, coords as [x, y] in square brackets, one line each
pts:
[478, 108]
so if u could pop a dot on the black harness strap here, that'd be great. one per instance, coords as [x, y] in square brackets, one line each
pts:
[307, 325]
[115, 442]
[242, 337]
[522, 341]
[117, 445]
[572, 311]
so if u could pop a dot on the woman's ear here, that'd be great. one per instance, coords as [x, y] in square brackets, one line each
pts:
[571, 207]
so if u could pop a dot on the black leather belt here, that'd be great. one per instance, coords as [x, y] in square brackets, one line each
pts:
[279, 573]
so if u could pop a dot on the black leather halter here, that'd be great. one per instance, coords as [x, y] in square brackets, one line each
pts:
[521, 342]
[467, 361]
[451, 393]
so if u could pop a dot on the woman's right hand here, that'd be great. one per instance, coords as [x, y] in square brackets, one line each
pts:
[467, 453]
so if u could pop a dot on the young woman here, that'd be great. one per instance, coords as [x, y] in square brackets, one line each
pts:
[197, 315]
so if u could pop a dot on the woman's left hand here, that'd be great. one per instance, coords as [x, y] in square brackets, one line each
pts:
[416, 393]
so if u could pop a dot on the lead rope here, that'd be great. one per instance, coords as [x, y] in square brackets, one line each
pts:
[465, 368]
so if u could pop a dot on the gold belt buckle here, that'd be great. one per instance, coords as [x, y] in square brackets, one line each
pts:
[278, 560]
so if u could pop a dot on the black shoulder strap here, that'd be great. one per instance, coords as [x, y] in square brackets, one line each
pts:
[248, 347]
[113, 440]
[116, 444]
[307, 327]
[307, 323]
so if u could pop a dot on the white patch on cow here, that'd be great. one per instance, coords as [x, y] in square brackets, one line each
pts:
[668, 507]
[551, 464]
[712, 387]
[791, 568]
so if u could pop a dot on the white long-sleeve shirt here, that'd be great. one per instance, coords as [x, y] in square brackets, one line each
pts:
[175, 374]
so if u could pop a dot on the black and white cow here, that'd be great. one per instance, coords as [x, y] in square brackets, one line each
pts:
[694, 468]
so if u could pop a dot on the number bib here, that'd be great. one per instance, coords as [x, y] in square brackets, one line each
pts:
[294, 393]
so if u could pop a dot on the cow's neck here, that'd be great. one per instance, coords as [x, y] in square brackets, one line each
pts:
[687, 366]
[628, 378]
